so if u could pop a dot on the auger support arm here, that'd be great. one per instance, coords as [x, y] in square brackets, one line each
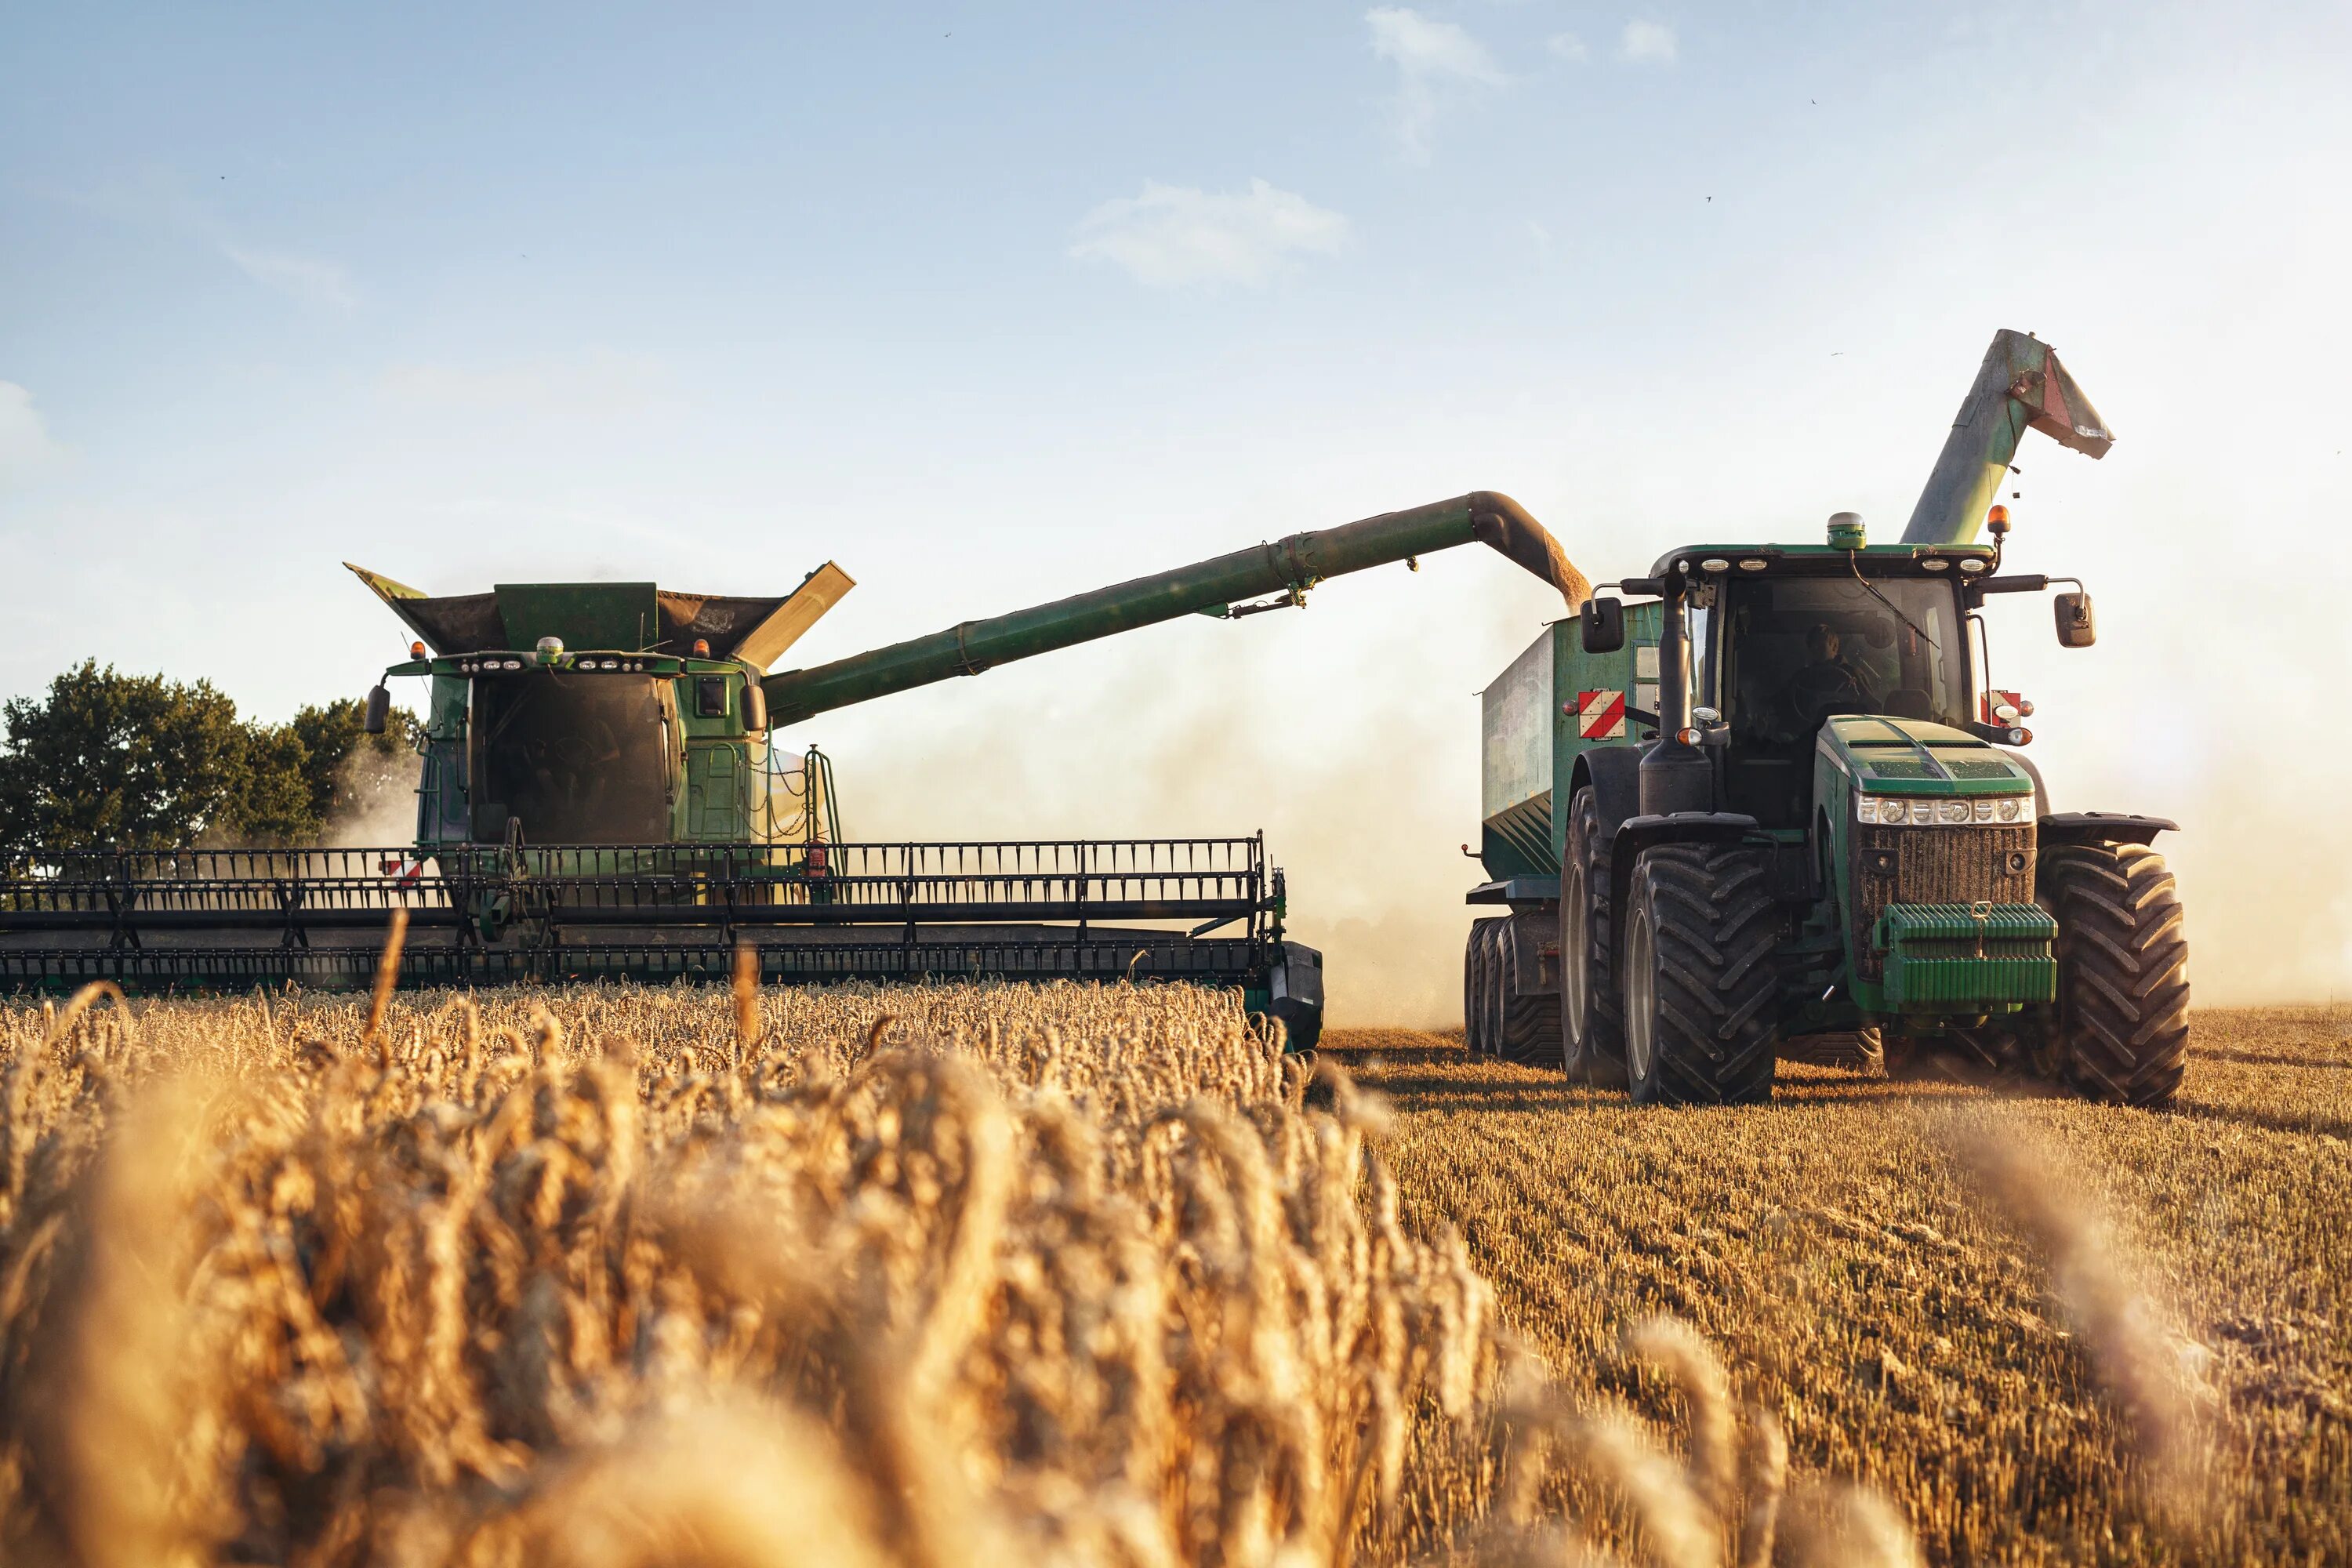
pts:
[2020, 387]
[1289, 566]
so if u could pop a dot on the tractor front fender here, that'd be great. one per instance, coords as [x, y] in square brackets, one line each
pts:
[1614, 774]
[1640, 833]
[2099, 828]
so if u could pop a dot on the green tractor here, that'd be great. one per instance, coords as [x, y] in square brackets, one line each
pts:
[1763, 802]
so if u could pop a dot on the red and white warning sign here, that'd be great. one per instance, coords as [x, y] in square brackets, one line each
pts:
[1601, 715]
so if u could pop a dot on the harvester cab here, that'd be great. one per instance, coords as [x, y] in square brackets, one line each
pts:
[1766, 802]
[602, 713]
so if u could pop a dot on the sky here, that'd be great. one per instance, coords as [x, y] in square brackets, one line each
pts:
[994, 304]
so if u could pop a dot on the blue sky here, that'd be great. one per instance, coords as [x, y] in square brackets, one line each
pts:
[991, 304]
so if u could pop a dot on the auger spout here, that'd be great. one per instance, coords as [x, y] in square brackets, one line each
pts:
[2020, 387]
[1289, 565]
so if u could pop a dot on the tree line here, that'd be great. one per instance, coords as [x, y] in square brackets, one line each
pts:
[108, 761]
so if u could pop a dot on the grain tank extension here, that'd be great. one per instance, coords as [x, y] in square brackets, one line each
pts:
[606, 792]
[1763, 801]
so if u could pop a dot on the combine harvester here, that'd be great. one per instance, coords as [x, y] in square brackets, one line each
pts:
[1767, 802]
[603, 797]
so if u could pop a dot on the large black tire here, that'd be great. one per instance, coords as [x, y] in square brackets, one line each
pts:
[1591, 1015]
[1477, 1037]
[1701, 981]
[2122, 1025]
[1491, 998]
[1530, 1018]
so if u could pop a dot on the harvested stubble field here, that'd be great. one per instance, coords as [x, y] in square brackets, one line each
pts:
[1911, 1327]
[981, 1273]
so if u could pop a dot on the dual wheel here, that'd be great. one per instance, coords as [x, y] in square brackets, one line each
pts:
[1503, 1014]
[1687, 1014]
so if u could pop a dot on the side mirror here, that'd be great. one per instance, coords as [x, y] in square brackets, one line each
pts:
[379, 711]
[755, 704]
[1603, 624]
[2077, 627]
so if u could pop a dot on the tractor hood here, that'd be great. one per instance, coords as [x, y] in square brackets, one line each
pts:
[1912, 756]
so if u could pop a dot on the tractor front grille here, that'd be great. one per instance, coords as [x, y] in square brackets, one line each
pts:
[1921, 865]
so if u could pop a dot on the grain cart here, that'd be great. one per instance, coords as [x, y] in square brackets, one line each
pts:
[1766, 801]
[603, 794]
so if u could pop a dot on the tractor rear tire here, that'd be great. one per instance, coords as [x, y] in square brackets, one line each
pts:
[1702, 982]
[1530, 1018]
[1591, 1012]
[1477, 962]
[2122, 1022]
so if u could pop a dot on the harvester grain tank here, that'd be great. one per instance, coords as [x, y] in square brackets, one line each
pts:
[603, 795]
[1760, 802]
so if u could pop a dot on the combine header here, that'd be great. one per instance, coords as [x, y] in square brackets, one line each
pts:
[603, 795]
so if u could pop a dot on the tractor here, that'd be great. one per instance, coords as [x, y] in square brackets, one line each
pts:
[1764, 802]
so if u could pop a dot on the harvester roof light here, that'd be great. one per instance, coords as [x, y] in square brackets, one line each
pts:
[551, 648]
[1997, 520]
[417, 651]
[1932, 564]
[1972, 564]
[1753, 564]
[702, 647]
[1715, 563]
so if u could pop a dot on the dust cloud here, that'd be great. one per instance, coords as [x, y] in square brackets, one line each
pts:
[375, 800]
[1356, 755]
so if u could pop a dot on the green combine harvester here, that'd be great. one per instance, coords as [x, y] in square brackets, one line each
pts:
[603, 795]
[1766, 801]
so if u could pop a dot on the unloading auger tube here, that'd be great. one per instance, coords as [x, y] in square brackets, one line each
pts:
[1219, 586]
[2020, 387]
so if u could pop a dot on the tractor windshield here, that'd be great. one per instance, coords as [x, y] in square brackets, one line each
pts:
[1793, 652]
[576, 759]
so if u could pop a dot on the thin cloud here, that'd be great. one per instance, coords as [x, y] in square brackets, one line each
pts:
[1647, 43]
[305, 278]
[25, 445]
[1175, 235]
[1435, 61]
[1568, 47]
[591, 383]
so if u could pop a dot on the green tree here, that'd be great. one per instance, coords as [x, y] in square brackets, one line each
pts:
[111, 761]
[341, 758]
[108, 761]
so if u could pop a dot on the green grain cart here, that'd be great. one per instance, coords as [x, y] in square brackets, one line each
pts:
[1766, 802]
[605, 792]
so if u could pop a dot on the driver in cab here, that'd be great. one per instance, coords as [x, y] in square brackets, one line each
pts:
[1825, 684]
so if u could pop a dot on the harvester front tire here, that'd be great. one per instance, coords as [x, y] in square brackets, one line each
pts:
[1530, 1018]
[1701, 984]
[1592, 1022]
[2122, 1022]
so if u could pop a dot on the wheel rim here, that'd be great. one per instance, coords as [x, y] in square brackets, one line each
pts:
[1576, 974]
[1641, 995]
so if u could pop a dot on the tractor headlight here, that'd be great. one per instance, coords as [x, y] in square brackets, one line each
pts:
[1983, 810]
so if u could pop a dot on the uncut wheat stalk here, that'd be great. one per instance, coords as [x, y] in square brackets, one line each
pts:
[1077, 1277]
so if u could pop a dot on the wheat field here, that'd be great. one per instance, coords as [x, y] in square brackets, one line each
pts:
[2048, 1331]
[974, 1274]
